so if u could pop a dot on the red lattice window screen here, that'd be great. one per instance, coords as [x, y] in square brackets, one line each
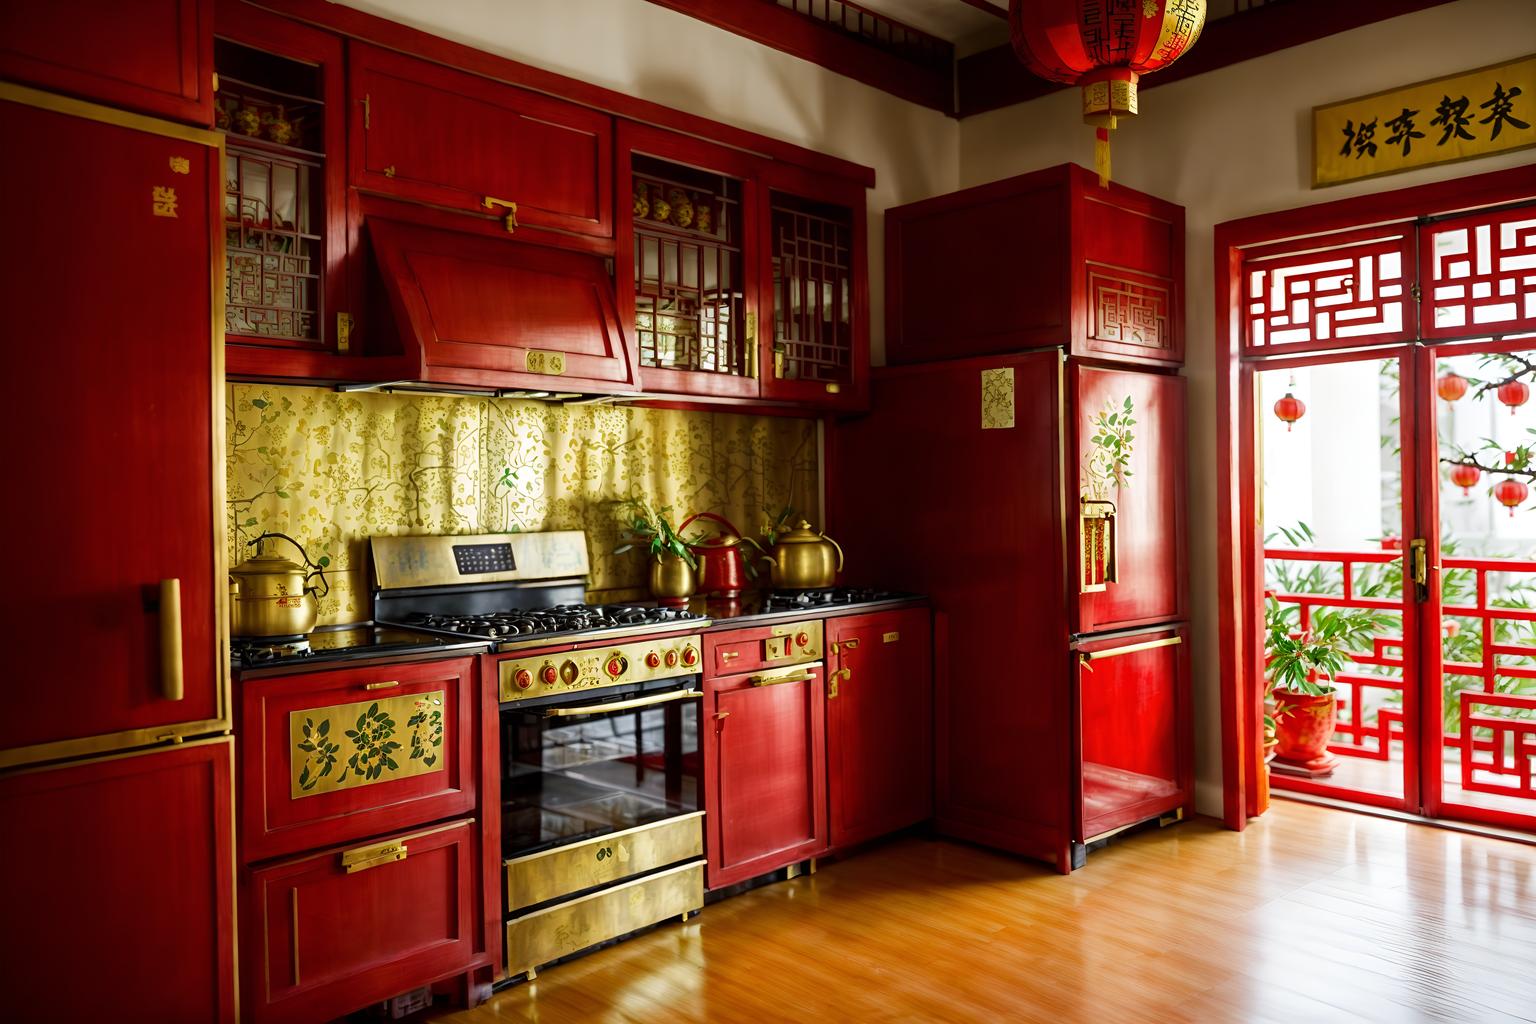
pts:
[1342, 290]
[1479, 275]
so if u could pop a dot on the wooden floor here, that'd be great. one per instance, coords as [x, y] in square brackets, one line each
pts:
[1310, 915]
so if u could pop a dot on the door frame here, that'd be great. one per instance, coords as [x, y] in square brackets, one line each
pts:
[1239, 539]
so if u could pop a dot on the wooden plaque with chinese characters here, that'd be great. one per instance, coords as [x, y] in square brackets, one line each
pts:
[1459, 117]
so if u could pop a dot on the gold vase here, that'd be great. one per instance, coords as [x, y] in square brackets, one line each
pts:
[673, 580]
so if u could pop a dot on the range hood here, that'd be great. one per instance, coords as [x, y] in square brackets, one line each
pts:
[486, 315]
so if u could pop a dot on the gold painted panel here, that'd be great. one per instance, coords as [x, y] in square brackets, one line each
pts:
[997, 399]
[333, 469]
[345, 746]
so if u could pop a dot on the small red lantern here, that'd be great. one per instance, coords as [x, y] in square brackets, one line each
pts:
[1511, 493]
[1103, 46]
[1290, 409]
[1514, 393]
[1451, 387]
[1465, 476]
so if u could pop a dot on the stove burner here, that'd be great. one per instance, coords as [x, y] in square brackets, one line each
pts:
[791, 600]
[250, 651]
[560, 618]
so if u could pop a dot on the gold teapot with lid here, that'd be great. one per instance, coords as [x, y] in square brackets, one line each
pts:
[802, 559]
[270, 595]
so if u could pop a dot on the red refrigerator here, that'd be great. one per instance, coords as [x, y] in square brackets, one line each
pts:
[1040, 501]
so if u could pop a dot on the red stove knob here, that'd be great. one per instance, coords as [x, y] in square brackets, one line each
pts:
[801, 639]
[549, 675]
[523, 678]
[653, 659]
[671, 659]
[616, 666]
[690, 656]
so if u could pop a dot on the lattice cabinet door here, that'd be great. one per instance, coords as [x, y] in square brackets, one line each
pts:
[689, 244]
[279, 101]
[1478, 274]
[817, 322]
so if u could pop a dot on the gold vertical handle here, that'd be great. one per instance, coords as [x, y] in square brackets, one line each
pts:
[510, 220]
[172, 677]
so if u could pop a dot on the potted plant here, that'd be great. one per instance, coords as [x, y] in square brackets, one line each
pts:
[1302, 665]
[673, 571]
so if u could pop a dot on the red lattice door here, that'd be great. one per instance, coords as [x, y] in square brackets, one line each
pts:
[1479, 274]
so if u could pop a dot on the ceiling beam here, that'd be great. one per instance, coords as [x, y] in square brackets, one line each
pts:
[994, 78]
[990, 8]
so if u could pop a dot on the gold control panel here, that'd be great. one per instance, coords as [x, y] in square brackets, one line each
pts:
[778, 646]
[596, 667]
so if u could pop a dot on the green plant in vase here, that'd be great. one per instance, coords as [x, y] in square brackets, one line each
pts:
[673, 569]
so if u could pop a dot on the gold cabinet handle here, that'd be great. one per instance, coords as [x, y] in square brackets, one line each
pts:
[510, 220]
[364, 857]
[795, 677]
[391, 684]
[729, 655]
[832, 681]
[172, 675]
[623, 705]
[1114, 652]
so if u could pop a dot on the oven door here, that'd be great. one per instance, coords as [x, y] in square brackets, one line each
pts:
[579, 767]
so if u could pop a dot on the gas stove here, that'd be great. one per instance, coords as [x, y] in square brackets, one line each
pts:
[345, 643]
[558, 622]
[795, 600]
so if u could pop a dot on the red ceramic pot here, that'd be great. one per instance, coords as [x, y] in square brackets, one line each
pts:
[722, 570]
[1304, 725]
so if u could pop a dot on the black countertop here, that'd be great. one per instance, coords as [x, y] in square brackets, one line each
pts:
[759, 608]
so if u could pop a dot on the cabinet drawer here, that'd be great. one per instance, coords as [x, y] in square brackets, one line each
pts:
[306, 781]
[562, 930]
[552, 873]
[747, 650]
[452, 139]
[330, 933]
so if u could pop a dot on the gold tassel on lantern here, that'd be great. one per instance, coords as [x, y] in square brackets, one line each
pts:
[1101, 156]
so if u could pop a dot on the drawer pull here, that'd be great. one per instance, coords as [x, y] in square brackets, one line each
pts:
[729, 655]
[391, 684]
[1114, 652]
[793, 677]
[510, 220]
[622, 705]
[365, 857]
[172, 677]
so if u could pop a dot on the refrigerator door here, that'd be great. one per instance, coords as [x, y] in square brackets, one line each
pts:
[952, 487]
[1126, 500]
[115, 520]
[1135, 754]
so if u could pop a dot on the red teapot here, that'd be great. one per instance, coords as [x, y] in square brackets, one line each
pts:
[722, 569]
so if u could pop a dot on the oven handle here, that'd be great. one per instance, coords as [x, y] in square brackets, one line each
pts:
[623, 705]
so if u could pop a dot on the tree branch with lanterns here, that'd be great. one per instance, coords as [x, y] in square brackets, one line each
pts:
[1518, 468]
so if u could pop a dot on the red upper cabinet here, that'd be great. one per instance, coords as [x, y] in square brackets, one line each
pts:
[121, 393]
[434, 135]
[690, 245]
[879, 723]
[815, 288]
[1043, 259]
[153, 56]
[1132, 561]
[128, 856]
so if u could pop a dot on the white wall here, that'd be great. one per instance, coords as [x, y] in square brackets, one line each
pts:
[1232, 143]
[648, 51]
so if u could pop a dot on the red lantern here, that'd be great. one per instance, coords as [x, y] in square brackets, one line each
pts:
[1514, 393]
[1451, 386]
[1465, 476]
[1290, 409]
[1511, 493]
[1103, 46]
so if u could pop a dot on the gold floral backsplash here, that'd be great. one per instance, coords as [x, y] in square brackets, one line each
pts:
[331, 470]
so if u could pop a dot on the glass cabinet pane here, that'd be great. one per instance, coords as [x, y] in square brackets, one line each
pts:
[812, 290]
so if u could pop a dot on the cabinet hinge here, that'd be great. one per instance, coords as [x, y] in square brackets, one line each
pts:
[1416, 291]
[344, 324]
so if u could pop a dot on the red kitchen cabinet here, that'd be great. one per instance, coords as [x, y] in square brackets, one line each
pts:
[1066, 262]
[879, 723]
[765, 772]
[120, 395]
[297, 789]
[121, 872]
[152, 56]
[1135, 723]
[431, 134]
[1137, 530]
[330, 932]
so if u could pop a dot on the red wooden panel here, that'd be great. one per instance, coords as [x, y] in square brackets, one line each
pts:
[1150, 531]
[880, 724]
[436, 135]
[482, 303]
[154, 56]
[119, 397]
[1137, 762]
[273, 821]
[765, 775]
[986, 542]
[1478, 275]
[1130, 269]
[318, 942]
[131, 857]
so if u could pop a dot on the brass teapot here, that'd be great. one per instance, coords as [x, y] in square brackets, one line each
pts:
[270, 595]
[802, 559]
